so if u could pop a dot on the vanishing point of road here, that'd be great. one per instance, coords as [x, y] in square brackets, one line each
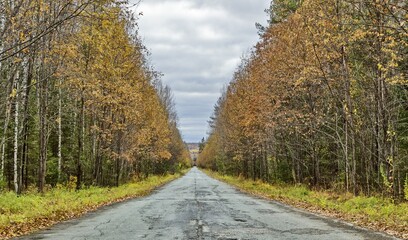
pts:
[199, 207]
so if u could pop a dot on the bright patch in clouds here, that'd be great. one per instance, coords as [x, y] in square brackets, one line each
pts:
[197, 44]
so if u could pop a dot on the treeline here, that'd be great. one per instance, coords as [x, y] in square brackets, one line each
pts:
[80, 102]
[321, 100]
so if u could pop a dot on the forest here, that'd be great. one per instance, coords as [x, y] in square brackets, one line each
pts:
[80, 103]
[321, 100]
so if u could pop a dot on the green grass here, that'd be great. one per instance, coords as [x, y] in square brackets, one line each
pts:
[31, 211]
[374, 212]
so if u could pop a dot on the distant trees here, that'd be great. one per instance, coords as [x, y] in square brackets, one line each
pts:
[80, 101]
[322, 99]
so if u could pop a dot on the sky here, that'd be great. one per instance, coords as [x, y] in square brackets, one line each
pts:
[197, 45]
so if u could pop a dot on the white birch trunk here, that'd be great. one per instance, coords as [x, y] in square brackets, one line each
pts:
[59, 132]
[3, 140]
[16, 115]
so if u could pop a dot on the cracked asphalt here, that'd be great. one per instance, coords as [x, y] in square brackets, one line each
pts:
[199, 207]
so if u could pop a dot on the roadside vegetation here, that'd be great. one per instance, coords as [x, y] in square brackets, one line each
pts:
[321, 102]
[375, 212]
[32, 211]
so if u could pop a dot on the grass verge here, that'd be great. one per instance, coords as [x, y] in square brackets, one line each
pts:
[32, 211]
[376, 213]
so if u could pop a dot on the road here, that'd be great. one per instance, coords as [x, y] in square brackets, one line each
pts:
[199, 207]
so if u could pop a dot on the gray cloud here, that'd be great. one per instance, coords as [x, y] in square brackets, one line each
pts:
[197, 44]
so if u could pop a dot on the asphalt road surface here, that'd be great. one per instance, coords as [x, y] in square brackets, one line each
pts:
[199, 207]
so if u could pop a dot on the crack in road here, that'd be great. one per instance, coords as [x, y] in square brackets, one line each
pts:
[99, 225]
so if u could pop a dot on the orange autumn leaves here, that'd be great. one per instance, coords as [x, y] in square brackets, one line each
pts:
[317, 101]
[111, 74]
[82, 101]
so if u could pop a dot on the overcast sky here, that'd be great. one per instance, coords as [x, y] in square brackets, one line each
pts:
[197, 44]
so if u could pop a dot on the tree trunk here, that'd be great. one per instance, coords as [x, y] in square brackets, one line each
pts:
[16, 135]
[348, 109]
[43, 104]
[59, 130]
[3, 139]
[80, 144]
[25, 122]
[6, 125]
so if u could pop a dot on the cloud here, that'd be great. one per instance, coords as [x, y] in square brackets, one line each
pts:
[197, 44]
